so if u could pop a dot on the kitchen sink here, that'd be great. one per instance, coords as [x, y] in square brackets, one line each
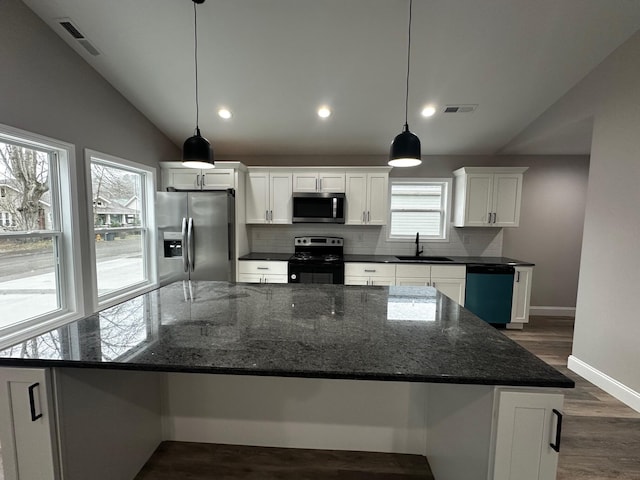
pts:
[424, 258]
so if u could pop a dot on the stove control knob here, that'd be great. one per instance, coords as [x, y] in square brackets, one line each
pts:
[293, 276]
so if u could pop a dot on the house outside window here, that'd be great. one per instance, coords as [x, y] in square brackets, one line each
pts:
[419, 206]
[121, 209]
[37, 270]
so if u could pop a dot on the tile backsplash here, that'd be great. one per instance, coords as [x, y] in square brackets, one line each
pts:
[370, 240]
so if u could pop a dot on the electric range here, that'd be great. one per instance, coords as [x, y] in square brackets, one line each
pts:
[317, 260]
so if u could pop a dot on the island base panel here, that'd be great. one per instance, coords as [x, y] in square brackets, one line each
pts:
[296, 412]
[109, 421]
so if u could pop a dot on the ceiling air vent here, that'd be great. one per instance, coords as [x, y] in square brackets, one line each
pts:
[459, 108]
[74, 31]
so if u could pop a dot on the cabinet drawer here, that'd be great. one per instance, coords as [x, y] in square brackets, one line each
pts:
[413, 271]
[449, 271]
[262, 267]
[370, 269]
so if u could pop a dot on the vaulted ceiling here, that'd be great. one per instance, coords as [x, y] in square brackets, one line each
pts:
[274, 62]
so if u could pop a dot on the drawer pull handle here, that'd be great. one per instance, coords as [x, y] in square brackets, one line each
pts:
[263, 268]
[32, 403]
[556, 445]
[369, 271]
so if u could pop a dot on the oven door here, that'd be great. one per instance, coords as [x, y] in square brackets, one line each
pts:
[306, 273]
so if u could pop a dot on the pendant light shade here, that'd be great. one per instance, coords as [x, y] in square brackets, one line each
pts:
[405, 148]
[197, 151]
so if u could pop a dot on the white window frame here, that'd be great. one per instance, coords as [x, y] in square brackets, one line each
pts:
[447, 184]
[148, 207]
[69, 275]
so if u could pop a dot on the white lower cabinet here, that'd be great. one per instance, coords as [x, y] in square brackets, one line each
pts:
[377, 274]
[521, 295]
[27, 425]
[256, 271]
[525, 432]
[447, 279]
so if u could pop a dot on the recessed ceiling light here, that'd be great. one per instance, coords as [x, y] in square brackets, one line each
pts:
[224, 113]
[428, 111]
[324, 112]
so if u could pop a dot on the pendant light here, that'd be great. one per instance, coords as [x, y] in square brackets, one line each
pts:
[197, 151]
[405, 148]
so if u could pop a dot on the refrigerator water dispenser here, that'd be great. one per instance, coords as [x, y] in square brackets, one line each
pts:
[172, 244]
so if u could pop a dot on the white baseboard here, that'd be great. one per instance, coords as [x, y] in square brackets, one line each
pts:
[605, 382]
[553, 311]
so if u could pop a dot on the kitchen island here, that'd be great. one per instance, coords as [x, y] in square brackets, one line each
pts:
[398, 369]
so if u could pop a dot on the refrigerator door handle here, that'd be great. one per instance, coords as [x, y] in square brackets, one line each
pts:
[192, 260]
[185, 253]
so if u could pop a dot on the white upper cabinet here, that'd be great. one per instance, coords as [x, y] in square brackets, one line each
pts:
[221, 177]
[332, 181]
[268, 198]
[367, 193]
[488, 196]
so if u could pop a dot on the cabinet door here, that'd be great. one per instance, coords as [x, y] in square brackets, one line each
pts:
[333, 182]
[276, 279]
[280, 195]
[521, 294]
[354, 280]
[356, 193]
[378, 208]
[382, 281]
[29, 449]
[451, 287]
[479, 199]
[218, 179]
[257, 198]
[507, 190]
[183, 178]
[250, 277]
[524, 430]
[412, 282]
[305, 182]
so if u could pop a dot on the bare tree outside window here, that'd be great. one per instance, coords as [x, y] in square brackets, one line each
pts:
[24, 178]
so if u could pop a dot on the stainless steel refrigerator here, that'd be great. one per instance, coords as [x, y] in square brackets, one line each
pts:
[196, 235]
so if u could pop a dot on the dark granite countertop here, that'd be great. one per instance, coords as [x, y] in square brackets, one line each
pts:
[409, 334]
[456, 260]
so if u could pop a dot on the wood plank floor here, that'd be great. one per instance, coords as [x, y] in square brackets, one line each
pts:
[600, 438]
[199, 461]
[600, 435]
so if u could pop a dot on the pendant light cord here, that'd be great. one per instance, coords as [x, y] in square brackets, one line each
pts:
[406, 98]
[195, 38]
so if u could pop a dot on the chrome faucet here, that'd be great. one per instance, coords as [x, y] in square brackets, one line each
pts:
[418, 249]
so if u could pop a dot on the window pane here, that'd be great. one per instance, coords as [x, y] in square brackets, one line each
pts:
[408, 223]
[28, 284]
[119, 259]
[413, 202]
[118, 205]
[25, 196]
[117, 195]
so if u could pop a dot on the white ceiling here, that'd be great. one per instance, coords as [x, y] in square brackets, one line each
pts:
[273, 62]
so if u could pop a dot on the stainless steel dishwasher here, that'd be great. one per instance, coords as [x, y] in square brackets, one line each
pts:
[489, 292]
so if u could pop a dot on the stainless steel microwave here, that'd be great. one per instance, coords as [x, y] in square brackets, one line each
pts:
[319, 207]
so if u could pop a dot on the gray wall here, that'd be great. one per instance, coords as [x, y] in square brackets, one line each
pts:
[607, 330]
[550, 232]
[48, 89]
